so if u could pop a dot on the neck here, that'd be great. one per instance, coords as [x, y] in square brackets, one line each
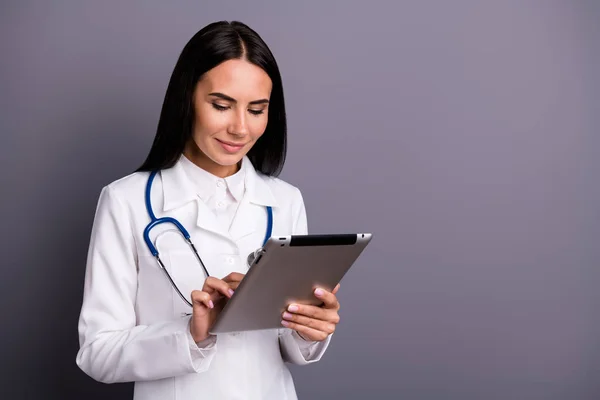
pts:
[196, 156]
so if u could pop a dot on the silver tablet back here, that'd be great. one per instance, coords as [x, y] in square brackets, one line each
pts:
[286, 271]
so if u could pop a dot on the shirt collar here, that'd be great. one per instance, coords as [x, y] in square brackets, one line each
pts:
[202, 182]
[180, 188]
[236, 183]
[258, 190]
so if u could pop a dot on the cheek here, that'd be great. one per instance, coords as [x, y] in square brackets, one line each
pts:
[258, 126]
[207, 123]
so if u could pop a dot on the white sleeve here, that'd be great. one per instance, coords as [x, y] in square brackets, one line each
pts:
[113, 348]
[294, 349]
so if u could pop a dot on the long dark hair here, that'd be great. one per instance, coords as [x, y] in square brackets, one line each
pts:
[209, 47]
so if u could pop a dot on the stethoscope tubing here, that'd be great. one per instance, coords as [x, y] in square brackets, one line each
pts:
[157, 221]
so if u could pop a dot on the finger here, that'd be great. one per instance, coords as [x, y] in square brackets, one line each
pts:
[212, 284]
[320, 325]
[234, 277]
[200, 298]
[328, 298]
[233, 285]
[216, 297]
[323, 314]
[335, 289]
[306, 332]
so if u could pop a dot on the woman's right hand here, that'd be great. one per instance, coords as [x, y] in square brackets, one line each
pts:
[208, 303]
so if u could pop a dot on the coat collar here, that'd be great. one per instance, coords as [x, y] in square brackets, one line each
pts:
[178, 189]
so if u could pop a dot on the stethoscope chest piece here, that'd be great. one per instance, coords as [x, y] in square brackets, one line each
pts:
[254, 256]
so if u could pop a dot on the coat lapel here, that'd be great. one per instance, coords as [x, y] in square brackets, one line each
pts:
[207, 220]
[244, 222]
[251, 216]
[177, 192]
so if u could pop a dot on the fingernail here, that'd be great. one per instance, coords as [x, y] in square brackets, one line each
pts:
[287, 315]
[285, 323]
[319, 292]
[231, 292]
[210, 304]
[293, 308]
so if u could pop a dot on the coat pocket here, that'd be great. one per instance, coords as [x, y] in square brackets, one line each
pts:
[154, 301]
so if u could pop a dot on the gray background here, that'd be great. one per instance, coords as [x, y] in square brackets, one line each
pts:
[464, 134]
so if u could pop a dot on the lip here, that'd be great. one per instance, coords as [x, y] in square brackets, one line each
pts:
[230, 147]
[231, 143]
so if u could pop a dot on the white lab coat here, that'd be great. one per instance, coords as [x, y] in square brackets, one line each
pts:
[132, 327]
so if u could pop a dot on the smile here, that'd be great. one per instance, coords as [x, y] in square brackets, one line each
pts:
[231, 147]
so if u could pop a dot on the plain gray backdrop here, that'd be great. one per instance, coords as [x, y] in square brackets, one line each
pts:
[463, 134]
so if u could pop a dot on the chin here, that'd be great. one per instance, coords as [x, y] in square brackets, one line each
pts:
[227, 160]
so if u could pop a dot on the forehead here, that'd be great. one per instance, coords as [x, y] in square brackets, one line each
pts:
[239, 79]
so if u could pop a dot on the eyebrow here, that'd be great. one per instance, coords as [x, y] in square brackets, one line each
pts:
[231, 99]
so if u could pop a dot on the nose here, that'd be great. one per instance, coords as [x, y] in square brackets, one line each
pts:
[239, 124]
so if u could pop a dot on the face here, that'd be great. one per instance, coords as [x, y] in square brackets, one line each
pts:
[231, 112]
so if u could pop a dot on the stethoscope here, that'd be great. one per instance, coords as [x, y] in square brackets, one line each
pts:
[157, 221]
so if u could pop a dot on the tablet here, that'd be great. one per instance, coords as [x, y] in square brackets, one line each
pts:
[286, 270]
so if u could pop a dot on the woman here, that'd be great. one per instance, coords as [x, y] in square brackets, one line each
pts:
[220, 143]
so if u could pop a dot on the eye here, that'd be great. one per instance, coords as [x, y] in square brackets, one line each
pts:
[219, 107]
[256, 112]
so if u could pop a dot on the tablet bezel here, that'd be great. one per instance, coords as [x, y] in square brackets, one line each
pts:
[281, 266]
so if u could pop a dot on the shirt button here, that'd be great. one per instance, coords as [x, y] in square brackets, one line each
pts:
[220, 184]
[220, 204]
[230, 260]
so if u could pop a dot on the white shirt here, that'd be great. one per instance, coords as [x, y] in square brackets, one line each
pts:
[132, 325]
[221, 195]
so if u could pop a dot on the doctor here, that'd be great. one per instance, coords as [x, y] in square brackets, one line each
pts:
[220, 143]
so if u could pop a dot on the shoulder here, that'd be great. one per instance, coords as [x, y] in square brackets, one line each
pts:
[283, 191]
[127, 187]
[290, 200]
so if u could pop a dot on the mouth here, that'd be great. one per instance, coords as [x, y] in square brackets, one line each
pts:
[230, 147]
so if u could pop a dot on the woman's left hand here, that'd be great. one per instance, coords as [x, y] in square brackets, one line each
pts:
[314, 322]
